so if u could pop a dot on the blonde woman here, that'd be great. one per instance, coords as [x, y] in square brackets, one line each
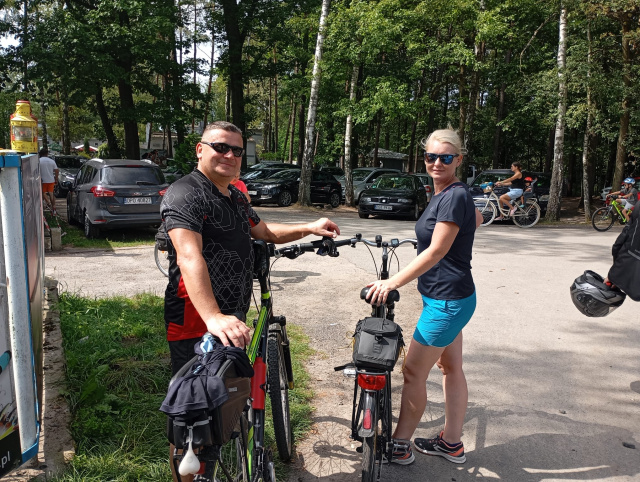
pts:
[445, 234]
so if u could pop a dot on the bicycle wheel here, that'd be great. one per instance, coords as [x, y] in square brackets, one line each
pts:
[488, 211]
[162, 260]
[279, 396]
[603, 218]
[369, 450]
[528, 216]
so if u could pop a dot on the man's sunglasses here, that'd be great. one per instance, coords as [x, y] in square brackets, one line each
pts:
[223, 148]
[444, 158]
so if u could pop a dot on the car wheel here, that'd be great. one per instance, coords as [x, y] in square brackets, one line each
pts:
[334, 200]
[362, 215]
[57, 192]
[70, 219]
[91, 231]
[284, 199]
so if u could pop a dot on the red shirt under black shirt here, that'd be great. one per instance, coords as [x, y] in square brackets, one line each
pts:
[194, 203]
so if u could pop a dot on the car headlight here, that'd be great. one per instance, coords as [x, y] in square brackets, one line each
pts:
[366, 199]
[404, 200]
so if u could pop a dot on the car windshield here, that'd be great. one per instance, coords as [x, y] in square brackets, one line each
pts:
[287, 174]
[257, 173]
[69, 163]
[132, 175]
[360, 175]
[393, 182]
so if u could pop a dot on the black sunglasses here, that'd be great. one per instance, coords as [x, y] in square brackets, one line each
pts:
[444, 158]
[223, 148]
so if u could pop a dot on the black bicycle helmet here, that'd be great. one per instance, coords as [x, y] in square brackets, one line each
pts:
[593, 297]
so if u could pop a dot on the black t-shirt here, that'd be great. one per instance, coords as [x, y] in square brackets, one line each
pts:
[450, 278]
[194, 203]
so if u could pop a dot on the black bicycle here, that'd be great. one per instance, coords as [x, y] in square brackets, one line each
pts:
[371, 422]
[232, 448]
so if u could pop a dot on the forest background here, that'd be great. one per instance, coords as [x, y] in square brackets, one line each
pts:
[550, 83]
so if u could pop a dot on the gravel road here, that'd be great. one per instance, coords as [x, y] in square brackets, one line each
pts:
[553, 395]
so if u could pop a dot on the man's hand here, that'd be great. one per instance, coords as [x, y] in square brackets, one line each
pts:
[229, 329]
[324, 227]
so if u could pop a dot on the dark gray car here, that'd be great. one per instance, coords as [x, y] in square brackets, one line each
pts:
[116, 193]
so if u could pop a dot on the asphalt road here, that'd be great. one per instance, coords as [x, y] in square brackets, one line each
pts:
[553, 395]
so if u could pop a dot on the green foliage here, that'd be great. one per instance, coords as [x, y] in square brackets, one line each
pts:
[184, 156]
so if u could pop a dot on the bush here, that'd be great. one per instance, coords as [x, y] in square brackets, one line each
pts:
[184, 156]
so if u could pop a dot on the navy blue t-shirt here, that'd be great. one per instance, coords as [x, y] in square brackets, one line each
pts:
[450, 278]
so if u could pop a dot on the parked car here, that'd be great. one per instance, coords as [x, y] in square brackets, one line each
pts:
[282, 188]
[363, 178]
[68, 167]
[394, 195]
[427, 182]
[116, 193]
[267, 164]
[541, 187]
[333, 170]
[263, 173]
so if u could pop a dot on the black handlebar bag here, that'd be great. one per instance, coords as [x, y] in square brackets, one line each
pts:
[205, 403]
[377, 344]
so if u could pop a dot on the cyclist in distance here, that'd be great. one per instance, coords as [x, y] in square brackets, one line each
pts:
[630, 195]
[210, 224]
[445, 234]
[517, 188]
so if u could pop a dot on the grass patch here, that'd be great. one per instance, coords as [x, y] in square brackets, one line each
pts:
[117, 374]
[114, 238]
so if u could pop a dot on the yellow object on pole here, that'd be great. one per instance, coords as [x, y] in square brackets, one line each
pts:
[24, 129]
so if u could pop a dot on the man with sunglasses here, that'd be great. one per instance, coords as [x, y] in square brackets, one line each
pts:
[210, 224]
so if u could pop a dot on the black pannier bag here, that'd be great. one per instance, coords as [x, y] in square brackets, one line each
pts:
[213, 426]
[377, 344]
[162, 240]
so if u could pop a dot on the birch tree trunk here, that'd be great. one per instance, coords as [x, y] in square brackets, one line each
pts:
[555, 193]
[348, 176]
[621, 151]
[304, 194]
[586, 184]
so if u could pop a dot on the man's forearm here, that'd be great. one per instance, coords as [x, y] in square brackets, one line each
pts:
[198, 285]
[285, 233]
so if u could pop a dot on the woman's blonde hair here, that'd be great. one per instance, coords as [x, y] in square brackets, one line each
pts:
[445, 135]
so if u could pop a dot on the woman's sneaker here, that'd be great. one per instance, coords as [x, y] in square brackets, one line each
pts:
[437, 446]
[402, 453]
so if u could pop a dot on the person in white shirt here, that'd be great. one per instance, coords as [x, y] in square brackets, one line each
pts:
[49, 175]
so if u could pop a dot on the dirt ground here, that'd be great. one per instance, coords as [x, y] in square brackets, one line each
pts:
[515, 431]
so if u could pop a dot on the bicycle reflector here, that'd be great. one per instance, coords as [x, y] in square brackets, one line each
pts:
[371, 382]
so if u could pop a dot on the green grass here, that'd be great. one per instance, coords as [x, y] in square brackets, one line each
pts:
[113, 238]
[117, 374]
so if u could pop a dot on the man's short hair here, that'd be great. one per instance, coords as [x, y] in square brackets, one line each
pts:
[43, 152]
[222, 125]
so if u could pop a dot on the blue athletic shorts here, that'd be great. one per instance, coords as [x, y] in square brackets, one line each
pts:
[442, 320]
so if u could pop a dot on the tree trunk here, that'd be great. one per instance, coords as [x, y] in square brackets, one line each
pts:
[210, 83]
[500, 114]
[43, 120]
[275, 105]
[293, 131]
[348, 154]
[555, 192]
[303, 101]
[66, 136]
[129, 121]
[621, 151]
[376, 140]
[286, 136]
[304, 195]
[235, 40]
[461, 172]
[112, 140]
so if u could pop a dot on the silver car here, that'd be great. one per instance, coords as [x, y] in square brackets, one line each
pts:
[363, 178]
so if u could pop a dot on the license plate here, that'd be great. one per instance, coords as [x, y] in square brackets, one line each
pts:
[253, 193]
[137, 200]
[382, 207]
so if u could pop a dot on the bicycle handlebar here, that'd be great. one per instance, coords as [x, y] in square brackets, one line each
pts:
[328, 246]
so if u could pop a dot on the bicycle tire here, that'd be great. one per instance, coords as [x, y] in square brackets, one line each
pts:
[603, 218]
[369, 452]
[279, 396]
[528, 216]
[488, 211]
[162, 260]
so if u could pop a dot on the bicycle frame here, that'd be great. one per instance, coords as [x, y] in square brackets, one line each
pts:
[490, 205]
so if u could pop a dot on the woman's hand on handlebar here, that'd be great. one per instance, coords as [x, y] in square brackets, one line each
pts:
[380, 290]
[324, 227]
[229, 329]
